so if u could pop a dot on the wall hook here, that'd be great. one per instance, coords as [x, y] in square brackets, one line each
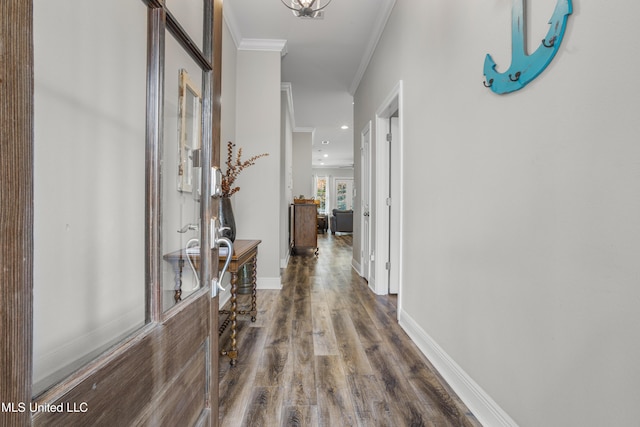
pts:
[552, 42]
[517, 77]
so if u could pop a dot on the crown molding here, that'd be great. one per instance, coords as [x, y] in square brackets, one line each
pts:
[304, 129]
[270, 45]
[376, 33]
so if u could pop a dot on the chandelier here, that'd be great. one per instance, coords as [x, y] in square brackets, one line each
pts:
[304, 8]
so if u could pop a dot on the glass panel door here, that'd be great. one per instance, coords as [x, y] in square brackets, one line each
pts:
[181, 174]
[89, 180]
[344, 193]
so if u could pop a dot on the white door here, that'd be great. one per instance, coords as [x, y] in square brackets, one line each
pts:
[365, 179]
[394, 208]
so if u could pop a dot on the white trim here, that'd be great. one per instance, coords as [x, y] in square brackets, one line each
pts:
[367, 129]
[269, 45]
[336, 166]
[391, 104]
[288, 89]
[485, 409]
[269, 283]
[374, 38]
[372, 284]
[305, 129]
[284, 262]
[356, 266]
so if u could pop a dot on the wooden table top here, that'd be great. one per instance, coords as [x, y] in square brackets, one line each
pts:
[240, 248]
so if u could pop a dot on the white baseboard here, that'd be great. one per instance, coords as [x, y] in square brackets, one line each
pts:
[372, 284]
[356, 266]
[224, 298]
[284, 262]
[269, 283]
[485, 409]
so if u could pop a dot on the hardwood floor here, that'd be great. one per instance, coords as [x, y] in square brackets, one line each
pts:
[326, 351]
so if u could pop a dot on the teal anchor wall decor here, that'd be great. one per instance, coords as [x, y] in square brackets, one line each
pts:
[524, 68]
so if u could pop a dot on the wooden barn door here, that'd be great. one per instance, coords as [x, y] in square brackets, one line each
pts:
[163, 372]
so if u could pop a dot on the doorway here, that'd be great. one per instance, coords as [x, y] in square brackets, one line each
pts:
[388, 195]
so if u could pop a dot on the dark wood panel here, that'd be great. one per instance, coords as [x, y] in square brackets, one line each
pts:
[130, 379]
[115, 389]
[16, 205]
[182, 401]
[184, 332]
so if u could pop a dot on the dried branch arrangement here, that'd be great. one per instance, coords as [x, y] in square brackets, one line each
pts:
[234, 167]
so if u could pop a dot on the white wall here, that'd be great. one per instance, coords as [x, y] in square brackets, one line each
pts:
[302, 175]
[228, 98]
[257, 204]
[227, 118]
[521, 232]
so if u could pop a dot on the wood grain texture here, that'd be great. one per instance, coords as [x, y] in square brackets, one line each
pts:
[335, 406]
[16, 205]
[337, 355]
[265, 406]
[300, 416]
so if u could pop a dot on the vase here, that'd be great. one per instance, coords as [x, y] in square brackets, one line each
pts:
[227, 221]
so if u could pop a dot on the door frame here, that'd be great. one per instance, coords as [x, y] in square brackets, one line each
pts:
[384, 172]
[142, 378]
[365, 183]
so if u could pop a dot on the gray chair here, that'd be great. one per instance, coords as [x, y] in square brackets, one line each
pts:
[342, 221]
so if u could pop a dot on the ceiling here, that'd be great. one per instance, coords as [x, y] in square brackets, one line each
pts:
[324, 60]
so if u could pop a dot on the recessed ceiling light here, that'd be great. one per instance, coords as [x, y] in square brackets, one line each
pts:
[326, 155]
[344, 127]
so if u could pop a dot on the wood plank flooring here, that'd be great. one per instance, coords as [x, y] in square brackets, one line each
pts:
[326, 351]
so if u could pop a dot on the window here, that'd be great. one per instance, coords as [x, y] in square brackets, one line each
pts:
[321, 192]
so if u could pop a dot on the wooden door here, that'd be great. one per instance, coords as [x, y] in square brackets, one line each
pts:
[165, 371]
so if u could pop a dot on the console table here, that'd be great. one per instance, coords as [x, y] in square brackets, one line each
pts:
[244, 251]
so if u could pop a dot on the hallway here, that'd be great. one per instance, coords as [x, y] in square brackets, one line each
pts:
[326, 351]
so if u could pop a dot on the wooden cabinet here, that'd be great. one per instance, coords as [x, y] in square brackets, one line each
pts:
[304, 227]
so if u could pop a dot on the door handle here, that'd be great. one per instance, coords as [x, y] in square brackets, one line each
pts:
[216, 241]
[218, 280]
